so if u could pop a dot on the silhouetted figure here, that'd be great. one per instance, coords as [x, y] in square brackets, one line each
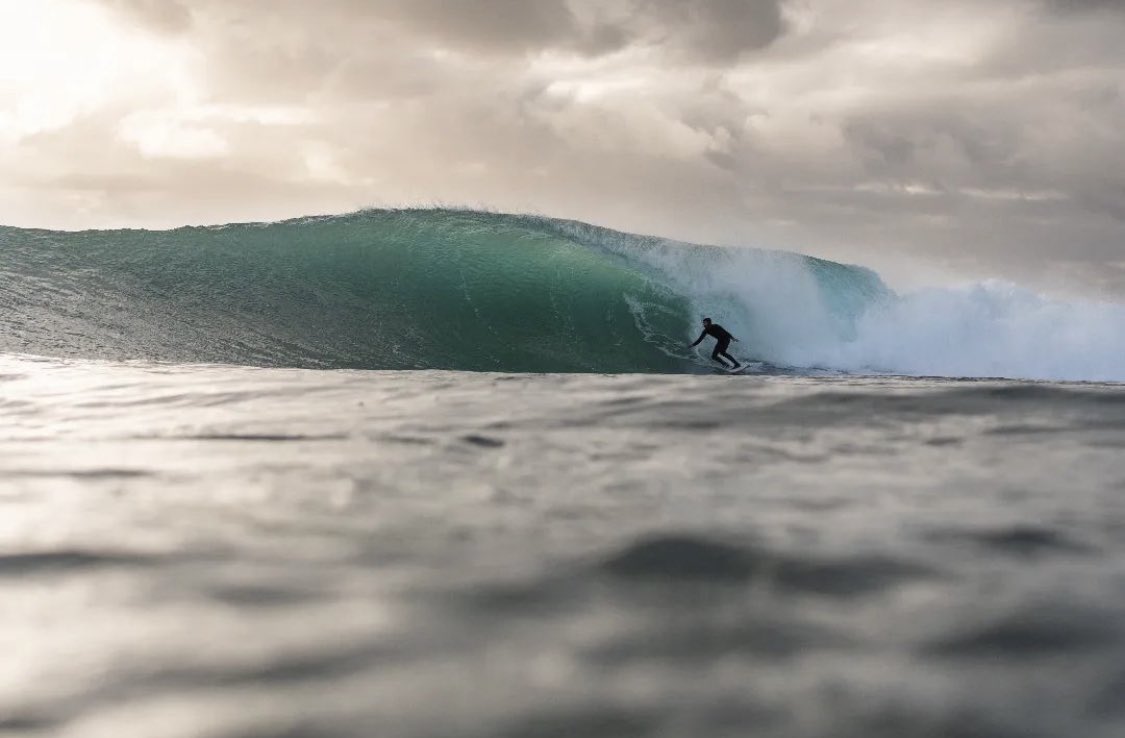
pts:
[723, 338]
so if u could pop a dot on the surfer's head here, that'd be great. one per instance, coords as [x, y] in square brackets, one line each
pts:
[706, 321]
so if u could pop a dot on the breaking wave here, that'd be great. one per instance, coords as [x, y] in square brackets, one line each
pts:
[453, 289]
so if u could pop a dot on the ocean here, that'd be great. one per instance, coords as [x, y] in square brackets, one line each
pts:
[435, 473]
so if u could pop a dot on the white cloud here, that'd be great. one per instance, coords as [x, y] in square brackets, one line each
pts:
[163, 134]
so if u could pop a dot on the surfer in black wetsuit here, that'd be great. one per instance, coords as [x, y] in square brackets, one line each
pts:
[723, 338]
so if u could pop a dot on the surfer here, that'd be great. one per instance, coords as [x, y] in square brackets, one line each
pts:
[723, 338]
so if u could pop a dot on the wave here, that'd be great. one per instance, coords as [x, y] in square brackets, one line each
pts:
[454, 289]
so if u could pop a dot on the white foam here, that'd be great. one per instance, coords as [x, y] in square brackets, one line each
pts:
[990, 329]
[785, 315]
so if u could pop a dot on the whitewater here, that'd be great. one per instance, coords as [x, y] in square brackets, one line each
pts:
[447, 473]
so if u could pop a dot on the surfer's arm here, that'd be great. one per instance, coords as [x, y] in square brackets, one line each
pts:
[701, 337]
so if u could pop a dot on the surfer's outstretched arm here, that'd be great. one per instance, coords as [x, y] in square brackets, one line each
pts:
[701, 337]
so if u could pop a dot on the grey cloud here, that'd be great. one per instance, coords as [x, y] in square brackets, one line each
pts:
[517, 25]
[169, 16]
[712, 31]
[1081, 6]
[481, 25]
[937, 146]
[719, 30]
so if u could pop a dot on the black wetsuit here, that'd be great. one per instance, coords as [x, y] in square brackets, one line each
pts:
[723, 338]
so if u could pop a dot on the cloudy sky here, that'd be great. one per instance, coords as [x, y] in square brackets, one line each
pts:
[926, 138]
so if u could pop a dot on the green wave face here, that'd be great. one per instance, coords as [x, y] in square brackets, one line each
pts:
[415, 289]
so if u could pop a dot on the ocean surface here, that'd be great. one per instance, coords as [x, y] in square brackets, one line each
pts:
[444, 473]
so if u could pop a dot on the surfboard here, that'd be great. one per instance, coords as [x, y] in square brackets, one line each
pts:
[751, 366]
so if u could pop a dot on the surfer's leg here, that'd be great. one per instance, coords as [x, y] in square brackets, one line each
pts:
[721, 350]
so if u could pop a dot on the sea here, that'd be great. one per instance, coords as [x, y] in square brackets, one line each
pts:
[425, 473]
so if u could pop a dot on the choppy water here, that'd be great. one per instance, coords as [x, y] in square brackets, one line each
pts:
[235, 552]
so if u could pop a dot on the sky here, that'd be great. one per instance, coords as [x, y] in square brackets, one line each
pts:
[929, 139]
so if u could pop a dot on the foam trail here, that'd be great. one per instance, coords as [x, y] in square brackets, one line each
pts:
[991, 329]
